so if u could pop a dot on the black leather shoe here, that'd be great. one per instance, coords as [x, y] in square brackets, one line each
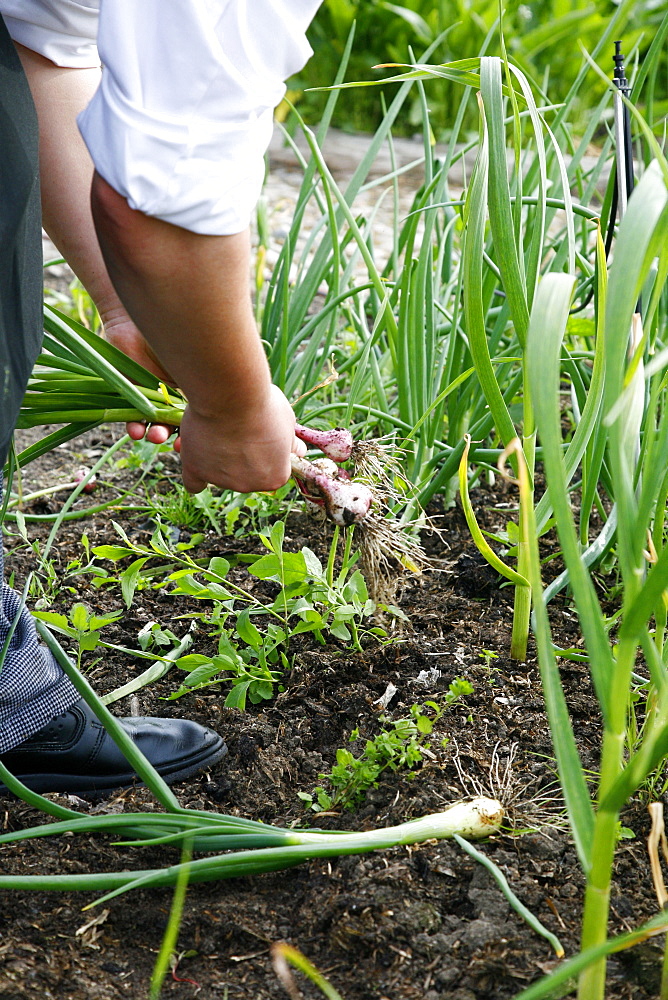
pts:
[74, 752]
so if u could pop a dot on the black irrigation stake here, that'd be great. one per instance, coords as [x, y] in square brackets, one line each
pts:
[624, 148]
[623, 143]
[624, 180]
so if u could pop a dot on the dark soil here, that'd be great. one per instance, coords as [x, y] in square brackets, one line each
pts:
[406, 924]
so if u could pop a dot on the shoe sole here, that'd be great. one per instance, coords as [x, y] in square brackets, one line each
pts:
[82, 784]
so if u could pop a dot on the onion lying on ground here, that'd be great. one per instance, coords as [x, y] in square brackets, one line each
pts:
[254, 847]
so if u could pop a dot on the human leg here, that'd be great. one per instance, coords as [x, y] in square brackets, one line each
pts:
[32, 686]
[48, 737]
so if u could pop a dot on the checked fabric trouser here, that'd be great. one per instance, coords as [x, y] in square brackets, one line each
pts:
[33, 688]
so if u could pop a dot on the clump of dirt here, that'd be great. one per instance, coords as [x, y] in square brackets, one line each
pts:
[419, 923]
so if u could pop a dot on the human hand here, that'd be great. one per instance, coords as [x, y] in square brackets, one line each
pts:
[120, 331]
[245, 452]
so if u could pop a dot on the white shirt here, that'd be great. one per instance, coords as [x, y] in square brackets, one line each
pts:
[184, 113]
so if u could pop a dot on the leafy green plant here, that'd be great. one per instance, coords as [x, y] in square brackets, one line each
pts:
[319, 597]
[402, 744]
[142, 453]
[199, 511]
[325, 599]
[154, 636]
[45, 583]
[310, 599]
[80, 625]
[488, 656]
[254, 669]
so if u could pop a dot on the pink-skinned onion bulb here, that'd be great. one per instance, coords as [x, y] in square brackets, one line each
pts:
[336, 444]
[345, 501]
[80, 475]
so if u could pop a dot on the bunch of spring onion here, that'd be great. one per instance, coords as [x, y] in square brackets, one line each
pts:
[81, 381]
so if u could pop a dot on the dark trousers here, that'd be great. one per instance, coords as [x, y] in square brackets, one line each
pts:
[32, 687]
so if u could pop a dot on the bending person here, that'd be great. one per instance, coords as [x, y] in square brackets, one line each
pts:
[177, 132]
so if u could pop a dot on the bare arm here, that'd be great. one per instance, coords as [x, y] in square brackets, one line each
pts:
[66, 169]
[66, 175]
[190, 296]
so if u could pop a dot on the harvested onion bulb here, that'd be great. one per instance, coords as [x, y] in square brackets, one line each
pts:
[345, 501]
[336, 444]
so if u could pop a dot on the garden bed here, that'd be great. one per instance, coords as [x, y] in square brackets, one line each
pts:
[404, 924]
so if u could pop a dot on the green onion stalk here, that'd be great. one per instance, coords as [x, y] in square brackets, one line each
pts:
[80, 381]
[256, 847]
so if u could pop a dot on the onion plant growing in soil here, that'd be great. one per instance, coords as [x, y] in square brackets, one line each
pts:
[632, 423]
[619, 442]
[436, 333]
[492, 309]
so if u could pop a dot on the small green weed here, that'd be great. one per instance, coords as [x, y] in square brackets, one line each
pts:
[247, 514]
[254, 669]
[488, 656]
[81, 626]
[154, 636]
[311, 598]
[142, 454]
[402, 744]
[45, 582]
[186, 510]
[224, 513]
[624, 832]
